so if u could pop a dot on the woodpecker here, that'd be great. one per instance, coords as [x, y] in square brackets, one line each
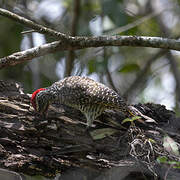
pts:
[82, 93]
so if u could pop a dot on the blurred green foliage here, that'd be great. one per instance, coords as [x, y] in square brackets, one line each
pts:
[10, 33]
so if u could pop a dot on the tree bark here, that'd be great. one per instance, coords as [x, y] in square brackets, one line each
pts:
[33, 145]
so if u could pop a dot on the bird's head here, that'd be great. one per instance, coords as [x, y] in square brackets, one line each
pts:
[39, 101]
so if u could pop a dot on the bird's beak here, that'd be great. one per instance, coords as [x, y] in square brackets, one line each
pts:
[43, 112]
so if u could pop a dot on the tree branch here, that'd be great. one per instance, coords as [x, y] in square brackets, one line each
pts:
[75, 43]
[87, 42]
[39, 28]
[134, 24]
[29, 54]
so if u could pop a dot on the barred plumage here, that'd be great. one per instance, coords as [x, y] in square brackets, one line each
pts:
[82, 93]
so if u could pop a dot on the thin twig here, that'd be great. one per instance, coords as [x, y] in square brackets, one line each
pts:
[33, 25]
[133, 24]
[167, 172]
[28, 31]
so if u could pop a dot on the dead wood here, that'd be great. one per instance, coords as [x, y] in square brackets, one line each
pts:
[60, 144]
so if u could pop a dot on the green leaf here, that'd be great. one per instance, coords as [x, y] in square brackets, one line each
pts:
[127, 68]
[131, 119]
[151, 140]
[102, 133]
[162, 159]
[91, 66]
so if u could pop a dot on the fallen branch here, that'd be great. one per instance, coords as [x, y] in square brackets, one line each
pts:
[31, 145]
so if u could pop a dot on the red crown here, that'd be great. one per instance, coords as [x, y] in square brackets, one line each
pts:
[33, 97]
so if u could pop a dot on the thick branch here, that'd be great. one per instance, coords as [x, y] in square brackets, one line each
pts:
[87, 42]
[29, 54]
